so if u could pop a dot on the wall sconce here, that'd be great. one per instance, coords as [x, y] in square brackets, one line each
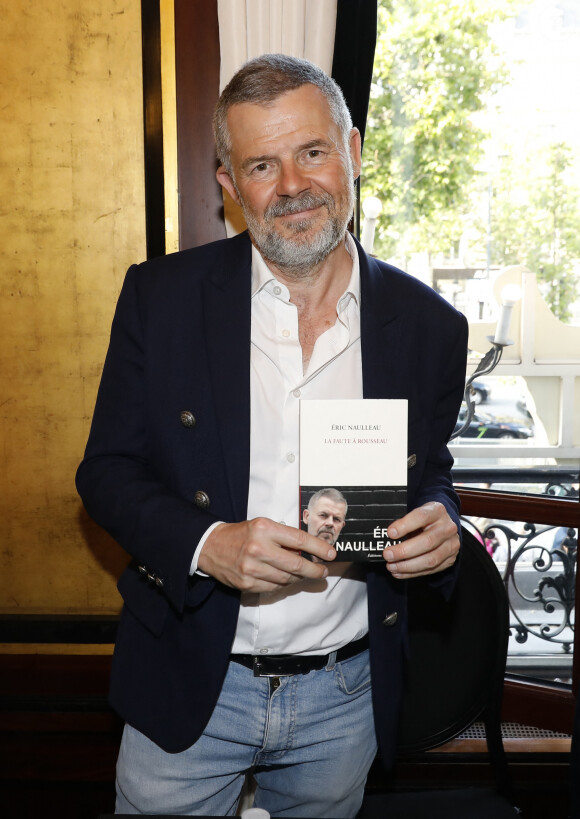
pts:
[510, 295]
[371, 209]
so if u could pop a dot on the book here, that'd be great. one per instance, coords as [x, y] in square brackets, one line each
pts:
[353, 472]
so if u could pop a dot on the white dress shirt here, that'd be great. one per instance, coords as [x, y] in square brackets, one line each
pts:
[309, 617]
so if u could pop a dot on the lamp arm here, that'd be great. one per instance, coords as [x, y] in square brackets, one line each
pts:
[487, 364]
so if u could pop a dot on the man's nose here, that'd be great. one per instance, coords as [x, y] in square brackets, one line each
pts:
[292, 179]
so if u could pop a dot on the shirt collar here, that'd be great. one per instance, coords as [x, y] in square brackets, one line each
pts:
[263, 278]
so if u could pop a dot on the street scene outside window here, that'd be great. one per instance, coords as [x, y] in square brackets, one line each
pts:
[471, 182]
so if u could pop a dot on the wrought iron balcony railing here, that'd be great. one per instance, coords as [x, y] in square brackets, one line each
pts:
[538, 565]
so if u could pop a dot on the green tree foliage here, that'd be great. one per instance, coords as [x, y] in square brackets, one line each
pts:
[435, 67]
[535, 221]
[552, 247]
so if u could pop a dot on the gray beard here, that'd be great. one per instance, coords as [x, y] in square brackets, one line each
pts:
[297, 256]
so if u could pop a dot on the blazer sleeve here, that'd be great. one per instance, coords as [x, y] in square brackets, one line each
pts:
[436, 483]
[123, 485]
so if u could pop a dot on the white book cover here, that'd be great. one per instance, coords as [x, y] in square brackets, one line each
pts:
[353, 472]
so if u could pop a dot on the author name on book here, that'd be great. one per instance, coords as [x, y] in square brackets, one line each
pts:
[371, 549]
[356, 427]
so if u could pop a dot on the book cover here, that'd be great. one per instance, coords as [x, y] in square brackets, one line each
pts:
[353, 472]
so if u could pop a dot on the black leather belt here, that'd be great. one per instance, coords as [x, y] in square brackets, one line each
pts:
[285, 665]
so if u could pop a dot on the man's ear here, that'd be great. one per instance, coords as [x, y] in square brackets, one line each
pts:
[305, 516]
[355, 151]
[226, 181]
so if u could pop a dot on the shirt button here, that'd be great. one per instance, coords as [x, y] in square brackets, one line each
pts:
[296, 393]
[277, 290]
[285, 333]
[291, 457]
[264, 650]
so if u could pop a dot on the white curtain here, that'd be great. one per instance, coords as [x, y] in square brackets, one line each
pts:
[248, 28]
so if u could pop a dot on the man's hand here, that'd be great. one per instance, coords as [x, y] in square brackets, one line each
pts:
[261, 556]
[431, 546]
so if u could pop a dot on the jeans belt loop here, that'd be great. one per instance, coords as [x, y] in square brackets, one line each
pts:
[331, 661]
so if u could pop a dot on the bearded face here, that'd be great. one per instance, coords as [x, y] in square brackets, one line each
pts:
[292, 170]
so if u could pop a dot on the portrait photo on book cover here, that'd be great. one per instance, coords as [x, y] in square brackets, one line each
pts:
[353, 519]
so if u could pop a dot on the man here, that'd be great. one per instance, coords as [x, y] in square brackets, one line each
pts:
[325, 515]
[235, 652]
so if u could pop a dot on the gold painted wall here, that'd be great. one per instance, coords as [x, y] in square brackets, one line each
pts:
[71, 221]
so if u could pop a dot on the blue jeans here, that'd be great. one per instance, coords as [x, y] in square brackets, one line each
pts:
[309, 744]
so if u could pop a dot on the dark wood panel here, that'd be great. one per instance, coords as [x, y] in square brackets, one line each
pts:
[153, 128]
[92, 629]
[197, 62]
[54, 675]
[58, 757]
[104, 722]
[55, 721]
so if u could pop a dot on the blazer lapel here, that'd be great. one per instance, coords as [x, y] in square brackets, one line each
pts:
[227, 330]
[381, 334]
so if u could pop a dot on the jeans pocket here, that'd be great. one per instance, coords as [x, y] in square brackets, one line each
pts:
[354, 675]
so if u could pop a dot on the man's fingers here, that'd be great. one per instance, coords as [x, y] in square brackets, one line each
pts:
[301, 541]
[261, 555]
[417, 519]
[426, 562]
[431, 542]
[261, 576]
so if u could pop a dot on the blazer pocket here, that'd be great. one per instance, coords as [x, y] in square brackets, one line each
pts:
[144, 601]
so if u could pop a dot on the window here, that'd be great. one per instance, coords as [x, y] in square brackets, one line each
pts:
[473, 148]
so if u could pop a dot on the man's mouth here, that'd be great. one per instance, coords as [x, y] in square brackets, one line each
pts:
[299, 215]
[300, 208]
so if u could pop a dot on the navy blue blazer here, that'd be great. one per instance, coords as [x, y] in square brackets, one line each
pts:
[180, 341]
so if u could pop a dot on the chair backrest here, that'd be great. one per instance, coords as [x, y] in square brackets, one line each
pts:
[457, 654]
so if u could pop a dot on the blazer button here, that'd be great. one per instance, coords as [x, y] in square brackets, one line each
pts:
[187, 419]
[201, 499]
[411, 461]
[391, 619]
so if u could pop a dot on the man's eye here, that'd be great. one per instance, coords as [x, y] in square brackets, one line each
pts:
[263, 166]
[314, 153]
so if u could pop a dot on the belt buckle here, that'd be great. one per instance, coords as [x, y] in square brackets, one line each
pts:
[258, 672]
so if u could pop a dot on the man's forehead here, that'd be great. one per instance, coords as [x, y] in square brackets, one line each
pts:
[305, 106]
[327, 504]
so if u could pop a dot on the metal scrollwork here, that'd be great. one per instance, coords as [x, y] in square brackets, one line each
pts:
[538, 566]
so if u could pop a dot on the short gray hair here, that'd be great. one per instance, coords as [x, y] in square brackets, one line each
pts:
[261, 81]
[334, 495]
